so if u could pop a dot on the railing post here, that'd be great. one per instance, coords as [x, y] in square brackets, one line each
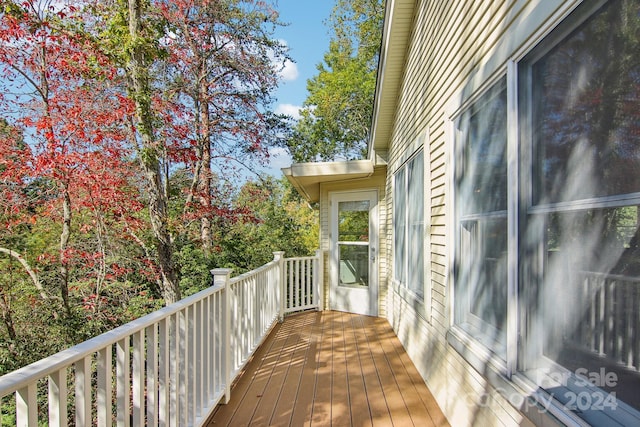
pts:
[221, 278]
[279, 258]
[318, 272]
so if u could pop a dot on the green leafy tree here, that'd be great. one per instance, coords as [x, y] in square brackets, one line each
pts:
[271, 217]
[337, 113]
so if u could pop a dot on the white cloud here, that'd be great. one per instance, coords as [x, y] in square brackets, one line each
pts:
[290, 71]
[289, 110]
[279, 158]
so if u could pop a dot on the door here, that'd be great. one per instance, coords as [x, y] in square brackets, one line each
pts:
[354, 285]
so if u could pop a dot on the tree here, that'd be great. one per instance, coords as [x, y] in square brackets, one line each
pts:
[270, 216]
[54, 89]
[139, 53]
[337, 113]
[222, 67]
[113, 118]
[200, 75]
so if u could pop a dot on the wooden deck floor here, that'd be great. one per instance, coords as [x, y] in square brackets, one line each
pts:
[330, 369]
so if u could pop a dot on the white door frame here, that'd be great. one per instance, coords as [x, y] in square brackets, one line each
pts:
[361, 301]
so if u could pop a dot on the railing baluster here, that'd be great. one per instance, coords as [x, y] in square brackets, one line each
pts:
[307, 281]
[220, 336]
[83, 391]
[182, 356]
[105, 387]
[58, 398]
[152, 375]
[290, 295]
[164, 398]
[138, 378]
[201, 379]
[122, 382]
[189, 357]
[196, 365]
[174, 369]
[27, 406]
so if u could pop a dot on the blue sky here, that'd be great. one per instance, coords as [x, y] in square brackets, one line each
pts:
[307, 37]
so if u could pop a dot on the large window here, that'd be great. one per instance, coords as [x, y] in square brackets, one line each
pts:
[561, 305]
[581, 105]
[481, 179]
[408, 217]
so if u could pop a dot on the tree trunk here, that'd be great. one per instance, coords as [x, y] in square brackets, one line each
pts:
[137, 68]
[204, 185]
[34, 277]
[64, 245]
[7, 318]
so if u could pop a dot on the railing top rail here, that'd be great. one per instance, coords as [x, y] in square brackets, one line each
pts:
[611, 276]
[20, 378]
[248, 274]
[301, 258]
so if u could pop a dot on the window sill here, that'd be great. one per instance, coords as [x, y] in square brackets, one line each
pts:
[538, 405]
[475, 353]
[577, 402]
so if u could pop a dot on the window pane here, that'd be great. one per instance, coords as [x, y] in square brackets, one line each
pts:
[481, 282]
[399, 219]
[353, 221]
[354, 265]
[482, 176]
[588, 306]
[481, 262]
[416, 225]
[585, 119]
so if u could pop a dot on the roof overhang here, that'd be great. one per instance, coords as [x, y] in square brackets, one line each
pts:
[398, 23]
[307, 177]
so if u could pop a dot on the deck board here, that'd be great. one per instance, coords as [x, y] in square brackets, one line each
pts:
[330, 369]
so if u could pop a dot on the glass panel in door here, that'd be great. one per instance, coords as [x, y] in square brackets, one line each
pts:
[353, 243]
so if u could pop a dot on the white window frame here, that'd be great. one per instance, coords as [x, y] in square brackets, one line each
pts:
[422, 304]
[482, 352]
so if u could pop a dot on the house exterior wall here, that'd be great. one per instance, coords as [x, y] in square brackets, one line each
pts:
[455, 48]
[374, 182]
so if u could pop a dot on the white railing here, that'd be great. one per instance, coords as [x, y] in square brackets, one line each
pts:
[301, 285]
[171, 367]
[611, 317]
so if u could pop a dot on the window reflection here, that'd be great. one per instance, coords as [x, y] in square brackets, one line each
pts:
[586, 120]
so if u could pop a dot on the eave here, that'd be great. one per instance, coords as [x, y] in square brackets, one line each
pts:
[307, 177]
[398, 23]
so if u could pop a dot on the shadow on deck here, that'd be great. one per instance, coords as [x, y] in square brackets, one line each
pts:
[330, 368]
